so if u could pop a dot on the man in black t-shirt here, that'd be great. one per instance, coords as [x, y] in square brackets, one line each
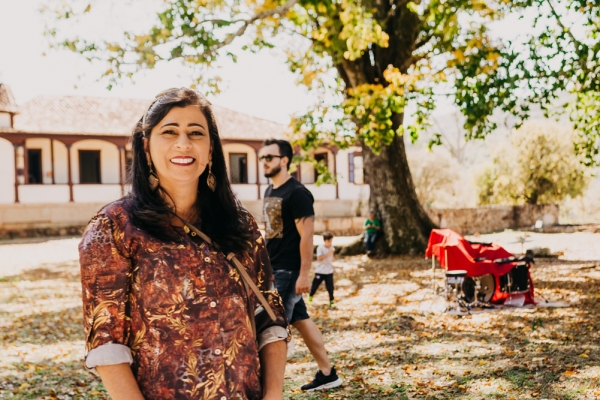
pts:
[289, 229]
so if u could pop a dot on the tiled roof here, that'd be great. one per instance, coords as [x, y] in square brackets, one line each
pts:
[7, 101]
[113, 116]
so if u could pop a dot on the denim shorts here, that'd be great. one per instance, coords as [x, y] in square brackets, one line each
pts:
[295, 309]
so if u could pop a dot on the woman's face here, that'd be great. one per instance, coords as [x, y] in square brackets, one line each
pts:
[179, 147]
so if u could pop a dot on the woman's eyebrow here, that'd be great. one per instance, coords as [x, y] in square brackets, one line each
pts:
[177, 125]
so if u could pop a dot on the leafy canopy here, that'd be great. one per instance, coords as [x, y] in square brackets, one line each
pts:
[368, 59]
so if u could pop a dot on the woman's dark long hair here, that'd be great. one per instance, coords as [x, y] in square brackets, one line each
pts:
[220, 215]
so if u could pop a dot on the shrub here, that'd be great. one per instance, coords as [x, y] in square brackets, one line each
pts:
[539, 166]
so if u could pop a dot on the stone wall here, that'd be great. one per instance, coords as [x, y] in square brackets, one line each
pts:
[342, 217]
[28, 220]
[31, 220]
[468, 221]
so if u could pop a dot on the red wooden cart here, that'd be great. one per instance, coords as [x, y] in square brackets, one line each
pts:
[493, 275]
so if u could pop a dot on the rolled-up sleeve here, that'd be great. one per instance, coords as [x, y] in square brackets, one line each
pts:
[105, 280]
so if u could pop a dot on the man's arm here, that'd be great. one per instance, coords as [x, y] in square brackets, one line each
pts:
[272, 363]
[306, 229]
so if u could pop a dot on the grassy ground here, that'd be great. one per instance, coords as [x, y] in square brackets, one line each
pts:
[384, 344]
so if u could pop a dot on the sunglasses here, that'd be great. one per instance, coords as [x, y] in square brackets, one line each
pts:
[268, 157]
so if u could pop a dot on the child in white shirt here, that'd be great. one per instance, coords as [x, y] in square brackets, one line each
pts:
[324, 268]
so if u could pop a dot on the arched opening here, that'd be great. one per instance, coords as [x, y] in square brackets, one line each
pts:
[242, 170]
[308, 173]
[96, 171]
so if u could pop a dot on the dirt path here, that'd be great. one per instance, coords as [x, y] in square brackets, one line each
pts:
[380, 339]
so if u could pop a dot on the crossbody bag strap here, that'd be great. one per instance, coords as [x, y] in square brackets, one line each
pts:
[238, 266]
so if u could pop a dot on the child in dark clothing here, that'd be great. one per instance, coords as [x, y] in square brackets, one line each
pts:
[324, 269]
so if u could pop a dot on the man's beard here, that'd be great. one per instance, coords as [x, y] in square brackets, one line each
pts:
[273, 172]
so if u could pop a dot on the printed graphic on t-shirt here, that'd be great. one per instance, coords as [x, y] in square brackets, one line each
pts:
[273, 221]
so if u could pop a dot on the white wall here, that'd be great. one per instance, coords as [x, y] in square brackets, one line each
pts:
[7, 172]
[37, 194]
[4, 120]
[61, 168]
[251, 154]
[349, 190]
[89, 193]
[323, 192]
[245, 192]
[109, 160]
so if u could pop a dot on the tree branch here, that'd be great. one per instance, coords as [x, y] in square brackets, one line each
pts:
[259, 16]
[423, 41]
[564, 28]
[220, 21]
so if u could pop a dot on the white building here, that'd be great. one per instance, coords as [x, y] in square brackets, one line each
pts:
[63, 156]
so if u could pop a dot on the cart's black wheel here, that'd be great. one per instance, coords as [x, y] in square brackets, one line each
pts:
[468, 289]
[487, 286]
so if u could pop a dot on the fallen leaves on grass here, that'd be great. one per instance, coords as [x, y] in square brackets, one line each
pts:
[382, 343]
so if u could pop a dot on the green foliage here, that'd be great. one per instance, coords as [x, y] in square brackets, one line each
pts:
[375, 57]
[565, 58]
[324, 175]
[538, 167]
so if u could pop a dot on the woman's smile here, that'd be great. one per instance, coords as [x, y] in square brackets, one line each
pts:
[183, 161]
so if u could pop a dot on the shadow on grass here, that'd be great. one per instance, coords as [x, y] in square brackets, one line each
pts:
[528, 350]
[51, 380]
[44, 328]
[67, 272]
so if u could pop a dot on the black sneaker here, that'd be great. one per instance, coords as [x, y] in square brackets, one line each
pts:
[322, 382]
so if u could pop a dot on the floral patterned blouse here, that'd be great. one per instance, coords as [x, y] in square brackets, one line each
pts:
[177, 311]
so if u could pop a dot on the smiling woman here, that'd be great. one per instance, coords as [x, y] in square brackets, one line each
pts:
[165, 314]
[179, 126]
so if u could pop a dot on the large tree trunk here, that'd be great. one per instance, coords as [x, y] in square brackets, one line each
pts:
[406, 225]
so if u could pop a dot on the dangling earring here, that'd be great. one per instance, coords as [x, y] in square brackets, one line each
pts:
[211, 180]
[152, 179]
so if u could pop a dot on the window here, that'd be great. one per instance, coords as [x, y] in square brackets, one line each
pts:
[320, 157]
[356, 168]
[238, 167]
[89, 166]
[34, 166]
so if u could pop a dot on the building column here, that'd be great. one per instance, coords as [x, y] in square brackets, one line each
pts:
[70, 178]
[337, 188]
[25, 163]
[52, 160]
[257, 174]
[19, 169]
[121, 180]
